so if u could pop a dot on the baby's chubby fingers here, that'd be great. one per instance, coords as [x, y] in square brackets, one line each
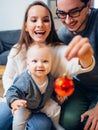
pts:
[18, 103]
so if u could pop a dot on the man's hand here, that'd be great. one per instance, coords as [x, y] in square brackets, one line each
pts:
[81, 48]
[92, 121]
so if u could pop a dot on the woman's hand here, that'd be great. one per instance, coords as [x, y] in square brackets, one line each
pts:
[17, 103]
[81, 48]
[92, 121]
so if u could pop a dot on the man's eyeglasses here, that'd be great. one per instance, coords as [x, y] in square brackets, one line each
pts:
[73, 13]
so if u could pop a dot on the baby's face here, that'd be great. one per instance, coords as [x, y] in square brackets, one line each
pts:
[39, 62]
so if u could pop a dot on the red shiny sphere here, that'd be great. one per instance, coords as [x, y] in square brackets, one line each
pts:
[64, 86]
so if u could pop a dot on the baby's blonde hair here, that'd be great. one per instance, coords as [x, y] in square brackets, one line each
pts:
[38, 46]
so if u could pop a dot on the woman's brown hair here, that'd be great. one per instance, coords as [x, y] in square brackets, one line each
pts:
[25, 37]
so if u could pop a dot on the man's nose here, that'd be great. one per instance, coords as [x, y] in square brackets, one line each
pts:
[68, 19]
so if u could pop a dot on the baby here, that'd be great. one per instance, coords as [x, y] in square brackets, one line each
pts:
[31, 91]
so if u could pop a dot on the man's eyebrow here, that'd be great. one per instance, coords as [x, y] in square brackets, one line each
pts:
[74, 9]
[71, 9]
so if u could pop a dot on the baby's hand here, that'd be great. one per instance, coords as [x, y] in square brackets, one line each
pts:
[61, 99]
[16, 104]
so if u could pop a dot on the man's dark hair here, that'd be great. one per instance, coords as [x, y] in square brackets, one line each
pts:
[84, 1]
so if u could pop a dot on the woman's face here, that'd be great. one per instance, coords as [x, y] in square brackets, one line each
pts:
[38, 23]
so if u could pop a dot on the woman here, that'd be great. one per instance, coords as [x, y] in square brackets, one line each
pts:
[38, 27]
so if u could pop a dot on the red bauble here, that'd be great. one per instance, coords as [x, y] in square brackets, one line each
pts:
[64, 86]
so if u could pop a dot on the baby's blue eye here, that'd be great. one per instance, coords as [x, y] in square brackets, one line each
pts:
[45, 61]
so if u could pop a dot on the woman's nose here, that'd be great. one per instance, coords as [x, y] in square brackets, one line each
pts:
[39, 23]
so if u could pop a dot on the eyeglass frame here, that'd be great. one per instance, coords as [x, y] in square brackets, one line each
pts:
[68, 13]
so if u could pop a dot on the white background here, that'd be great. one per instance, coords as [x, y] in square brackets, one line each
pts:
[12, 13]
[96, 3]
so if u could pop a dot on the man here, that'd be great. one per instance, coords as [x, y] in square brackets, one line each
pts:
[80, 111]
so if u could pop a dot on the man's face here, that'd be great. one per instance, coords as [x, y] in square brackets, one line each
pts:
[77, 13]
